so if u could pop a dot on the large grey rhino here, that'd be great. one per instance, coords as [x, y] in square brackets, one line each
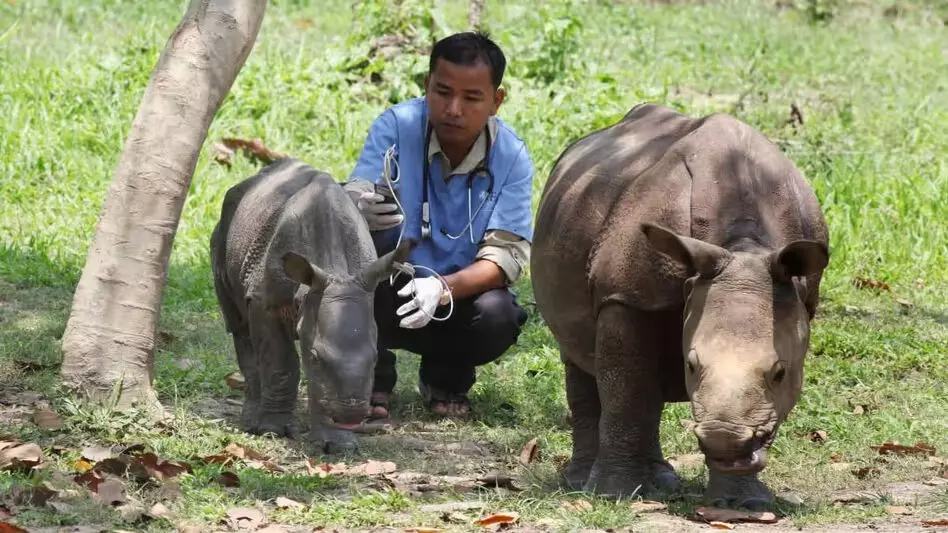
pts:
[293, 258]
[678, 258]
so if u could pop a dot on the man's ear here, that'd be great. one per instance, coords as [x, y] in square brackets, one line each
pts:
[499, 95]
[427, 78]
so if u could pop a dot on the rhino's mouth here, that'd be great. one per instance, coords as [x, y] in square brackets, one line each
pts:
[749, 464]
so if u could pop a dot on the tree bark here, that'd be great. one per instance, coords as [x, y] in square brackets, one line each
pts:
[109, 343]
[474, 10]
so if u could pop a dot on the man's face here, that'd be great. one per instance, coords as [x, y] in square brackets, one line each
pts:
[460, 98]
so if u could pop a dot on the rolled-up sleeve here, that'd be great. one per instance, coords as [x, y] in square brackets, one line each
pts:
[508, 251]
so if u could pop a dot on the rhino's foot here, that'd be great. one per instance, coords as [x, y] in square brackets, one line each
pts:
[574, 476]
[279, 424]
[250, 416]
[663, 478]
[332, 440]
[648, 477]
[746, 491]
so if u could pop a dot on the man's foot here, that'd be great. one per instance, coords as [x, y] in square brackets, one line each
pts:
[443, 403]
[379, 405]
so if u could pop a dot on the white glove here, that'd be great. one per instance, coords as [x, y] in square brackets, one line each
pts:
[428, 293]
[369, 203]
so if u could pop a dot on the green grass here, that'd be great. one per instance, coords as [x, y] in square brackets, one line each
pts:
[873, 91]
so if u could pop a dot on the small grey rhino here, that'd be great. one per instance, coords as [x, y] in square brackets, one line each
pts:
[675, 259]
[293, 259]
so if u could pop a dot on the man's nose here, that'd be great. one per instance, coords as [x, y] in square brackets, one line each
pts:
[454, 107]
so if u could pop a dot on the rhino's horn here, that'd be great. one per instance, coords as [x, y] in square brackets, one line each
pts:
[702, 258]
[373, 274]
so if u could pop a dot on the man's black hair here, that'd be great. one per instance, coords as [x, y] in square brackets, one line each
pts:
[467, 48]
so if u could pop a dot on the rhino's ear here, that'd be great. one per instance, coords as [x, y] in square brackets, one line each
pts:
[699, 257]
[373, 274]
[799, 258]
[300, 270]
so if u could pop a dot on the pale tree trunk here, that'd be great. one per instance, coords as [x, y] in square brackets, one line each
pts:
[109, 343]
[474, 10]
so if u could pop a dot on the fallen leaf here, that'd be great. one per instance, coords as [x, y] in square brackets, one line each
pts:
[244, 518]
[839, 467]
[124, 465]
[111, 492]
[303, 23]
[866, 472]
[82, 466]
[168, 491]
[449, 507]
[89, 479]
[818, 436]
[920, 283]
[862, 282]
[272, 529]
[6, 527]
[5, 513]
[529, 451]
[856, 497]
[269, 466]
[422, 530]
[131, 512]
[222, 154]
[220, 459]
[904, 303]
[455, 517]
[22, 456]
[859, 410]
[235, 381]
[35, 496]
[242, 452]
[286, 503]
[9, 443]
[898, 510]
[835, 457]
[228, 479]
[714, 514]
[720, 525]
[162, 469]
[96, 453]
[935, 523]
[647, 506]
[254, 149]
[575, 506]
[507, 517]
[900, 449]
[372, 468]
[159, 511]
[31, 366]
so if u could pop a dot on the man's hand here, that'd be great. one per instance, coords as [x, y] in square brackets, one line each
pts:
[428, 293]
[374, 211]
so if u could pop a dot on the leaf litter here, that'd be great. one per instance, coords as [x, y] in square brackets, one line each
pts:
[715, 514]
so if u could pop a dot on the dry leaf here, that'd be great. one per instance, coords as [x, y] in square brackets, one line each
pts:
[529, 451]
[286, 503]
[272, 529]
[422, 530]
[935, 523]
[714, 514]
[839, 467]
[835, 457]
[647, 506]
[82, 466]
[720, 525]
[169, 491]
[896, 448]
[510, 517]
[9, 442]
[892, 509]
[22, 456]
[575, 506]
[244, 518]
[47, 419]
[235, 380]
[863, 282]
[159, 511]
[818, 436]
[222, 154]
[6, 527]
[372, 468]
[5, 513]
[89, 479]
[96, 453]
[242, 452]
[31, 366]
[254, 149]
[35, 496]
[859, 410]
[228, 479]
[269, 466]
[221, 459]
[162, 469]
[111, 492]
[303, 23]
[497, 480]
[904, 303]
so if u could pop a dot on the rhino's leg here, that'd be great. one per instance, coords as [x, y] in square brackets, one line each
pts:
[630, 394]
[725, 490]
[279, 371]
[583, 398]
[248, 362]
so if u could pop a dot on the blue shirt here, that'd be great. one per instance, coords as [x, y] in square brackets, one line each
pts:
[507, 208]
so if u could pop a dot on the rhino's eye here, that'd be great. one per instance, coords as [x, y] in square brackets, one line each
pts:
[692, 362]
[778, 373]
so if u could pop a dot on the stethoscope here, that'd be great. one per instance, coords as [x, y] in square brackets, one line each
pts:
[481, 168]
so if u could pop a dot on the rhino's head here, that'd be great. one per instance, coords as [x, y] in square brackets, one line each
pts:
[338, 335]
[746, 331]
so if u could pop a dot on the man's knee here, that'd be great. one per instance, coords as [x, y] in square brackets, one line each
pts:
[498, 323]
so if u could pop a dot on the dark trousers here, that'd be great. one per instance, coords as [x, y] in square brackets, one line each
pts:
[479, 331]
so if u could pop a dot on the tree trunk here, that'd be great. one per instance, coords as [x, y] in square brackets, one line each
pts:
[109, 342]
[474, 10]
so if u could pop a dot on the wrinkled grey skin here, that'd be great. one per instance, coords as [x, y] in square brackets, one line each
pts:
[678, 259]
[292, 259]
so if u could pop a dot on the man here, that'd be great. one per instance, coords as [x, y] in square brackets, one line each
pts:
[475, 231]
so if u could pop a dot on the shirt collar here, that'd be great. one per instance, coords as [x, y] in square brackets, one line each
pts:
[473, 158]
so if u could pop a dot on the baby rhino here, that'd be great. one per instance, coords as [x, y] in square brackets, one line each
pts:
[678, 258]
[293, 259]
